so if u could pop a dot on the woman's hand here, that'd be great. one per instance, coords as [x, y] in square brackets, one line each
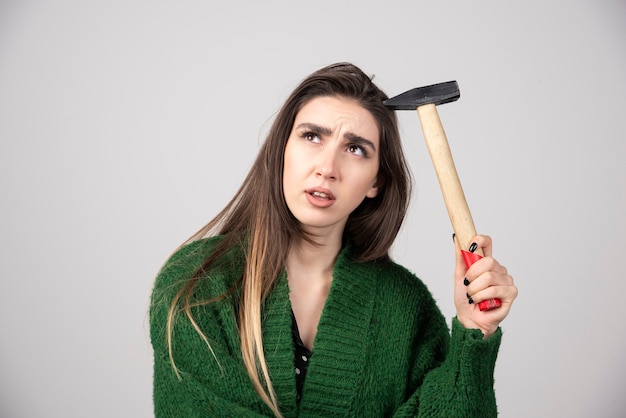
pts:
[485, 279]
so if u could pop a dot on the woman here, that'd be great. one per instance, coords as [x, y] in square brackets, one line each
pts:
[288, 304]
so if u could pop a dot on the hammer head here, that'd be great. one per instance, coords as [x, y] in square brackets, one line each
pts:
[437, 93]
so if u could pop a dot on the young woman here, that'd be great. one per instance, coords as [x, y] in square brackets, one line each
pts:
[287, 303]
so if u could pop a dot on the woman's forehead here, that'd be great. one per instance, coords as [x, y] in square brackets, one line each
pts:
[332, 113]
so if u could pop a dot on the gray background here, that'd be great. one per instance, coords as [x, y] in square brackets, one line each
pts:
[126, 125]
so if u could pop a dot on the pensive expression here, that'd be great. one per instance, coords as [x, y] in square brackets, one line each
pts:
[331, 162]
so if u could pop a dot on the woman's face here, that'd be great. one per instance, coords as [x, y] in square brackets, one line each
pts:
[331, 163]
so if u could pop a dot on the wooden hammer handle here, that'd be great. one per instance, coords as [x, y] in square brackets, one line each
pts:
[453, 195]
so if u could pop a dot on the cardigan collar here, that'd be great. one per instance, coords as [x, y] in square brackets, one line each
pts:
[340, 343]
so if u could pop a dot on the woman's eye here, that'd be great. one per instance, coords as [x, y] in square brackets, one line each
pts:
[311, 137]
[357, 150]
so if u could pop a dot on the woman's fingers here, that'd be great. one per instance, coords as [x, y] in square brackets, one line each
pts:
[506, 293]
[494, 282]
[485, 279]
[485, 265]
[484, 243]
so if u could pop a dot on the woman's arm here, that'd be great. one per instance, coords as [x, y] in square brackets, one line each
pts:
[189, 397]
[462, 386]
[211, 382]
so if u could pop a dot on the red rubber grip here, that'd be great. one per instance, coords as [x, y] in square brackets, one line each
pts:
[485, 305]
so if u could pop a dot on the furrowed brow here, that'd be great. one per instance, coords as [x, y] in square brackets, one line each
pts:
[322, 130]
[315, 128]
[359, 140]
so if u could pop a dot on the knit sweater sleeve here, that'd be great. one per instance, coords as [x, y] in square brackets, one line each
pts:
[189, 397]
[209, 383]
[462, 385]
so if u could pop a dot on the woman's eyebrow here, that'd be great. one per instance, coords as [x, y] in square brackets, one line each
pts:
[322, 130]
[315, 128]
[359, 140]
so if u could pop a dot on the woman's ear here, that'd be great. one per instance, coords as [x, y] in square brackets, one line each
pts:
[376, 187]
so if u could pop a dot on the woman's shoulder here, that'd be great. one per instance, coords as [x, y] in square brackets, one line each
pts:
[398, 276]
[386, 275]
[186, 262]
[188, 257]
[399, 286]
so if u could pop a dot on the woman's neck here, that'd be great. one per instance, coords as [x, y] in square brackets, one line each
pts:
[310, 274]
[313, 260]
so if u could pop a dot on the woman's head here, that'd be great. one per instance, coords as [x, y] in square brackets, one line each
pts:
[372, 227]
[259, 221]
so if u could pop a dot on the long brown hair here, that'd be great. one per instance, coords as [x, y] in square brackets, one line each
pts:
[258, 220]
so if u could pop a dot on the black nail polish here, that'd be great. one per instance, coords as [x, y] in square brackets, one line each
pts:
[470, 301]
[453, 236]
[473, 247]
[466, 282]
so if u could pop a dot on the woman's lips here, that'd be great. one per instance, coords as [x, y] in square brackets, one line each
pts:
[321, 198]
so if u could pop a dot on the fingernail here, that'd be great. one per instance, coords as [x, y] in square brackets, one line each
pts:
[473, 247]
[466, 282]
[468, 296]
[453, 235]
[470, 301]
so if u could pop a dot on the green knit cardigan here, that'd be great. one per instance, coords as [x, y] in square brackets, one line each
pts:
[382, 348]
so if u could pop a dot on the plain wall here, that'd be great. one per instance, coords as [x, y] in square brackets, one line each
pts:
[126, 125]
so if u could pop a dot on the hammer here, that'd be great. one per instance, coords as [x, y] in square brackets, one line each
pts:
[425, 100]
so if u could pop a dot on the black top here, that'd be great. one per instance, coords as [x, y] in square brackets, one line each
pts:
[302, 356]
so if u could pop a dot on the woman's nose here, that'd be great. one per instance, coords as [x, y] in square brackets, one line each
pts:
[327, 164]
